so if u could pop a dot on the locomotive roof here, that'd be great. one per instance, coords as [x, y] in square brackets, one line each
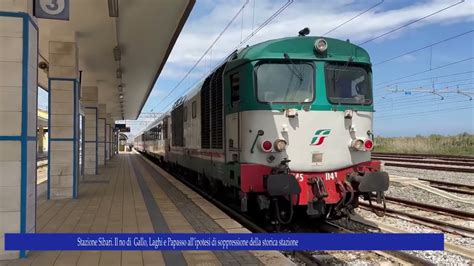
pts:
[303, 48]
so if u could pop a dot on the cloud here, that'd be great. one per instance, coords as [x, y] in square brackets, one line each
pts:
[174, 71]
[156, 93]
[406, 58]
[210, 17]
[318, 16]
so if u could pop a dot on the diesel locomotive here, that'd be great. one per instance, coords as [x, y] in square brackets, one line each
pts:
[285, 125]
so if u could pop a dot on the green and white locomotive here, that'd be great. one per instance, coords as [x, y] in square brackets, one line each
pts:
[285, 124]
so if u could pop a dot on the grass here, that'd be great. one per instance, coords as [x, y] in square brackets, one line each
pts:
[462, 144]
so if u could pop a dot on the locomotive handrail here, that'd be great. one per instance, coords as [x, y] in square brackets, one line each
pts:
[259, 133]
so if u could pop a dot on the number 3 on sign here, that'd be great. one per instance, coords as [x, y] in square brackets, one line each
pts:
[52, 7]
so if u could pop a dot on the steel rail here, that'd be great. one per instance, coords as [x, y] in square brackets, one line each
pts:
[455, 190]
[409, 160]
[406, 257]
[445, 183]
[432, 167]
[424, 155]
[450, 247]
[442, 225]
[429, 207]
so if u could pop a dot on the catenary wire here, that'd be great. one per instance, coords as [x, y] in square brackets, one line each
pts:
[354, 17]
[424, 113]
[261, 26]
[420, 104]
[424, 47]
[426, 71]
[458, 86]
[429, 78]
[411, 22]
[204, 54]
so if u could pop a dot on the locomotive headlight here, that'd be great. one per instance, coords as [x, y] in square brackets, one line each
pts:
[320, 45]
[358, 144]
[280, 145]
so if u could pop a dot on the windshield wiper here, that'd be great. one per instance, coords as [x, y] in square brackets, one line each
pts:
[346, 65]
[293, 67]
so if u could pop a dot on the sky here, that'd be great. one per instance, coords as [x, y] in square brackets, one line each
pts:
[447, 68]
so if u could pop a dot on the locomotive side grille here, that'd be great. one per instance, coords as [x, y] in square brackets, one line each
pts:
[206, 115]
[217, 107]
[212, 106]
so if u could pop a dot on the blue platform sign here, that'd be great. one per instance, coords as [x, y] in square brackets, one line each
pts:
[52, 9]
[224, 241]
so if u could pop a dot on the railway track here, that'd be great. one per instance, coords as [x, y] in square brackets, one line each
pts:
[423, 161]
[432, 208]
[459, 158]
[388, 228]
[432, 216]
[432, 167]
[428, 215]
[399, 256]
[451, 187]
[306, 257]
[463, 164]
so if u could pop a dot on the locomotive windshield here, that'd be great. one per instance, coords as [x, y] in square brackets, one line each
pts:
[285, 82]
[348, 84]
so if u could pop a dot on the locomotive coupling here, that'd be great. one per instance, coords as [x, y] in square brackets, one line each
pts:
[371, 181]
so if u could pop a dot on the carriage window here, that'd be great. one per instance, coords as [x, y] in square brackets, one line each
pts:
[348, 84]
[159, 131]
[285, 82]
[185, 115]
[193, 109]
[165, 128]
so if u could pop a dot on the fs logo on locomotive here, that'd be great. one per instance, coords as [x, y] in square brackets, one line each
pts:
[319, 136]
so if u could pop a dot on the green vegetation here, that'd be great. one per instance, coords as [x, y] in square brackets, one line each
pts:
[462, 144]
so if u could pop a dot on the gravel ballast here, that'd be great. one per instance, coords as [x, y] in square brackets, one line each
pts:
[419, 195]
[453, 177]
[437, 257]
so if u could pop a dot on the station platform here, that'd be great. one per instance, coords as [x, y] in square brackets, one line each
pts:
[133, 195]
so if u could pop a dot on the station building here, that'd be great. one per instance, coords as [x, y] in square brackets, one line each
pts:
[98, 60]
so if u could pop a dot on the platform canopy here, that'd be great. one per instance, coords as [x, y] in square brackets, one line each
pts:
[144, 32]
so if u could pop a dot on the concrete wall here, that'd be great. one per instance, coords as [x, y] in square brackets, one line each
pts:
[89, 101]
[18, 92]
[102, 121]
[63, 120]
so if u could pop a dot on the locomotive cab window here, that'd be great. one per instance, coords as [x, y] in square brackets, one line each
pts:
[286, 82]
[348, 84]
[185, 115]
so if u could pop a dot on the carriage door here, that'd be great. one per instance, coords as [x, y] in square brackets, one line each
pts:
[233, 118]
